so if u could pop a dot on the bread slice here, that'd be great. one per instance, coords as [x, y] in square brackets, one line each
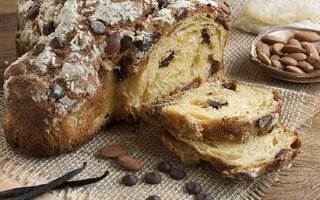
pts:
[239, 161]
[229, 111]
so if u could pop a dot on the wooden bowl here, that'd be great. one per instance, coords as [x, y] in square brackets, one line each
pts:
[285, 32]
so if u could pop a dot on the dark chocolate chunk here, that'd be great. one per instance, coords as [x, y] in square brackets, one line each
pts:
[129, 180]
[98, 27]
[153, 197]
[56, 91]
[281, 152]
[177, 174]
[152, 178]
[167, 60]
[264, 121]
[181, 14]
[162, 3]
[229, 86]
[217, 105]
[33, 12]
[276, 97]
[164, 167]
[205, 35]
[48, 28]
[121, 68]
[272, 128]
[145, 43]
[126, 42]
[38, 49]
[193, 188]
[203, 196]
[56, 43]
[223, 22]
[113, 43]
[213, 69]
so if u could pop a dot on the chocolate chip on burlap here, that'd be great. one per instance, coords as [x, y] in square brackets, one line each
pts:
[152, 178]
[129, 180]
[177, 174]
[203, 196]
[164, 167]
[153, 197]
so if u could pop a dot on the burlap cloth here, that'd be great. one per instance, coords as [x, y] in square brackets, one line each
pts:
[298, 106]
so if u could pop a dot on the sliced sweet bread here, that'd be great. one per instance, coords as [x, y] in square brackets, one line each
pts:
[239, 161]
[229, 111]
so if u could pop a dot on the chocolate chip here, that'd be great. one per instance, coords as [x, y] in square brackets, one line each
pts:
[223, 22]
[98, 27]
[193, 188]
[56, 43]
[145, 43]
[152, 178]
[56, 91]
[264, 121]
[33, 12]
[205, 35]
[129, 180]
[126, 42]
[113, 43]
[167, 60]
[164, 167]
[121, 68]
[181, 14]
[213, 69]
[203, 196]
[217, 105]
[153, 197]
[48, 28]
[162, 3]
[38, 49]
[157, 36]
[281, 152]
[118, 74]
[177, 174]
[272, 128]
[276, 97]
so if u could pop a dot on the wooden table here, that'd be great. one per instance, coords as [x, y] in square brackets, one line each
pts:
[301, 181]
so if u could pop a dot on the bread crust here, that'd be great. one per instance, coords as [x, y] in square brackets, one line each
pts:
[59, 99]
[230, 129]
[191, 156]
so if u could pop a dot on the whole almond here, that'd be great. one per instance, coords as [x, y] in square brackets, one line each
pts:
[275, 57]
[305, 66]
[293, 49]
[263, 48]
[277, 64]
[294, 69]
[270, 39]
[114, 150]
[315, 62]
[310, 48]
[263, 58]
[297, 56]
[307, 36]
[294, 42]
[276, 49]
[288, 61]
[129, 163]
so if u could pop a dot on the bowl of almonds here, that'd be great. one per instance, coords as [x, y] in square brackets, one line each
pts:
[288, 53]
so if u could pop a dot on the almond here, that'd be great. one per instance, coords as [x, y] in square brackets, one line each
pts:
[129, 163]
[270, 39]
[315, 62]
[288, 61]
[276, 49]
[263, 48]
[293, 49]
[294, 69]
[263, 58]
[307, 36]
[311, 50]
[114, 150]
[275, 57]
[305, 66]
[297, 56]
[277, 64]
[294, 42]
